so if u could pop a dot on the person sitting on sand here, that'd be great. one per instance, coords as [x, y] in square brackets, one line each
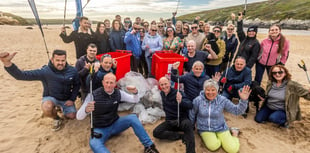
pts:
[208, 115]
[106, 121]
[170, 129]
[193, 81]
[60, 84]
[281, 105]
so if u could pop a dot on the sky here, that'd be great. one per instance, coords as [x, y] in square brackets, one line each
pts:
[107, 9]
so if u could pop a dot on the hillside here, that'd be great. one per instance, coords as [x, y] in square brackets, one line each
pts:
[11, 19]
[286, 12]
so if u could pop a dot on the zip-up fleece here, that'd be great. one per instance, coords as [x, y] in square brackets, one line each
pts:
[208, 115]
[268, 54]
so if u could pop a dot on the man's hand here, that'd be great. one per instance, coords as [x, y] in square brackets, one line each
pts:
[132, 89]
[87, 65]
[63, 30]
[216, 77]
[96, 66]
[6, 58]
[69, 103]
[176, 65]
[179, 97]
[90, 107]
[233, 16]
[208, 47]
[224, 80]
[114, 63]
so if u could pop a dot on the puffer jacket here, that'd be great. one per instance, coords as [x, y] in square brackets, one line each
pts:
[208, 115]
[268, 54]
[237, 79]
[192, 84]
[293, 92]
[62, 85]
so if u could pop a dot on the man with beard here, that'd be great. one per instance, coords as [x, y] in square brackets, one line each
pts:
[60, 84]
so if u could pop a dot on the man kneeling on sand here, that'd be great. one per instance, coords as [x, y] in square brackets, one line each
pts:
[60, 84]
[103, 104]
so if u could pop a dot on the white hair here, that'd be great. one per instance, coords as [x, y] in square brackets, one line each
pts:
[210, 83]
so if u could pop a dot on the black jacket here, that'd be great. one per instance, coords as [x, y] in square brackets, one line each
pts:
[81, 41]
[170, 105]
[249, 47]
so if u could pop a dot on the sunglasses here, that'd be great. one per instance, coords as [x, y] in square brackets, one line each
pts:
[136, 29]
[160, 26]
[194, 27]
[169, 30]
[154, 30]
[145, 25]
[127, 21]
[230, 29]
[275, 72]
[185, 29]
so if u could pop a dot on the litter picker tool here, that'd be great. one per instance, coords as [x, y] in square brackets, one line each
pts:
[226, 70]
[91, 99]
[176, 10]
[85, 4]
[65, 10]
[178, 102]
[302, 65]
[245, 3]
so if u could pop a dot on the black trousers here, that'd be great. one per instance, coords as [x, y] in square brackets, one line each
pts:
[170, 130]
[134, 63]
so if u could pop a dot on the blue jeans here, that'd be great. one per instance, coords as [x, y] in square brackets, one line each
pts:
[66, 109]
[260, 69]
[275, 116]
[120, 125]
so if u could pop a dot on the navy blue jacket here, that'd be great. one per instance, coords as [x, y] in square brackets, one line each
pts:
[170, 105]
[231, 47]
[116, 40]
[237, 79]
[62, 85]
[192, 84]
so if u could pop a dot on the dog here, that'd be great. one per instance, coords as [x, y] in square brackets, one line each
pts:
[256, 90]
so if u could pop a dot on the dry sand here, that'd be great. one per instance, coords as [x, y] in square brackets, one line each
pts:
[23, 129]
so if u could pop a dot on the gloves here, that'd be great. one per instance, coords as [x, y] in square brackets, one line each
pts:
[224, 80]
[229, 89]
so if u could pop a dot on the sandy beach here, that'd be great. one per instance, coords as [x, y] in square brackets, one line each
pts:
[23, 129]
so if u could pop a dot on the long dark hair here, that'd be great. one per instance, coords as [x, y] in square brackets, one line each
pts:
[98, 26]
[281, 41]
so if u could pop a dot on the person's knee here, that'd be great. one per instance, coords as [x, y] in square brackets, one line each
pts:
[212, 146]
[231, 148]
[48, 106]
[156, 132]
[258, 118]
[71, 115]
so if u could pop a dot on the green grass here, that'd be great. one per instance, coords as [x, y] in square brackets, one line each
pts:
[269, 10]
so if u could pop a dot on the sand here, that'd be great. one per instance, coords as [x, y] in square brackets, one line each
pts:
[23, 129]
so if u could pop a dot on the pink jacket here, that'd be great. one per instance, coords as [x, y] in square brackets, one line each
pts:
[268, 54]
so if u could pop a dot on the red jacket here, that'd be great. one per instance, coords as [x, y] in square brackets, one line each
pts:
[268, 54]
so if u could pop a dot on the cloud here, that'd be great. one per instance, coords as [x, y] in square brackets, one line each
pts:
[98, 9]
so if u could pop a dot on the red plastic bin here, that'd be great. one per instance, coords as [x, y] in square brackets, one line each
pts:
[123, 62]
[162, 63]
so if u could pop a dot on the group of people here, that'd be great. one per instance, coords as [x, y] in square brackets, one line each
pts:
[210, 80]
